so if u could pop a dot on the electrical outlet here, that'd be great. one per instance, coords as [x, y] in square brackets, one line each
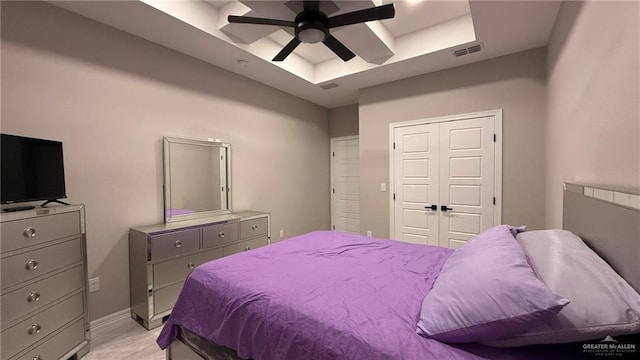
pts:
[369, 233]
[281, 234]
[383, 187]
[94, 284]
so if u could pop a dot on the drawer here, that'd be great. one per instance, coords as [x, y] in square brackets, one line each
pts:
[29, 265]
[245, 245]
[165, 298]
[20, 233]
[58, 345]
[38, 326]
[178, 269]
[254, 227]
[32, 297]
[219, 234]
[175, 243]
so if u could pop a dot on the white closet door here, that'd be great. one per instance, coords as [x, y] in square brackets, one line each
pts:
[451, 163]
[415, 185]
[345, 183]
[467, 176]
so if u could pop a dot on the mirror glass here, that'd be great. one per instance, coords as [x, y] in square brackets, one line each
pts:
[196, 178]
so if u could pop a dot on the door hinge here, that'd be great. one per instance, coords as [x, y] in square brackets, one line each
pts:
[494, 200]
[333, 190]
[394, 196]
[394, 145]
[494, 137]
[334, 227]
[333, 154]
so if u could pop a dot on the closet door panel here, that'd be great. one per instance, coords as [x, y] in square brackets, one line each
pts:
[467, 179]
[415, 183]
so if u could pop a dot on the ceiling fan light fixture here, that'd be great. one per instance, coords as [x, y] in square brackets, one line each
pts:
[311, 35]
[312, 28]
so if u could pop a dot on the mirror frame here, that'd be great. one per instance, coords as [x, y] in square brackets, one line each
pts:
[167, 141]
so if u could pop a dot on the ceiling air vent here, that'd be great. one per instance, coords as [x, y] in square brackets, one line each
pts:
[474, 48]
[329, 86]
[460, 52]
[469, 50]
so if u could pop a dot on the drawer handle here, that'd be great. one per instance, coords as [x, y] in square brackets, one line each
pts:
[191, 265]
[34, 329]
[178, 243]
[31, 265]
[254, 227]
[33, 296]
[221, 234]
[37, 357]
[29, 232]
[247, 248]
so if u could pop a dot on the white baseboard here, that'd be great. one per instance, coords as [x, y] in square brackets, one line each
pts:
[110, 321]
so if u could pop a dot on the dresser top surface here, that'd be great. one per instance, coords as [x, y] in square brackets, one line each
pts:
[230, 217]
[39, 211]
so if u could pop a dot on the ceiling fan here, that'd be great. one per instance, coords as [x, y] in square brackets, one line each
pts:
[312, 26]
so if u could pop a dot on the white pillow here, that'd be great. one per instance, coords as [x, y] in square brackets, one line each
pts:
[602, 303]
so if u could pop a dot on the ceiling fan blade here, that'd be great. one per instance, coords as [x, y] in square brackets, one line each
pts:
[287, 49]
[311, 5]
[259, 21]
[376, 13]
[337, 47]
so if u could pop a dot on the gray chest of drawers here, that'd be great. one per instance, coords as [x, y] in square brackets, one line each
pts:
[43, 296]
[161, 256]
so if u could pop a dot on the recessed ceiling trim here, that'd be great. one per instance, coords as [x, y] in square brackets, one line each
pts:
[238, 32]
[503, 27]
[417, 44]
[376, 50]
[198, 14]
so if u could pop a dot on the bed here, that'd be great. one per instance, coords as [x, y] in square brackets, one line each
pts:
[329, 295]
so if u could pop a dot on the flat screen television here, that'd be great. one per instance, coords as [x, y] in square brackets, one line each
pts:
[30, 169]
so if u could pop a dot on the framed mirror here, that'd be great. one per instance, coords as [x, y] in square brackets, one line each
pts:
[196, 178]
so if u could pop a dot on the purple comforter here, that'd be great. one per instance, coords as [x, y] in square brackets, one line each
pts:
[323, 295]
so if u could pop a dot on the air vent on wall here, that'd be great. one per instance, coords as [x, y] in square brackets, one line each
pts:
[329, 86]
[469, 50]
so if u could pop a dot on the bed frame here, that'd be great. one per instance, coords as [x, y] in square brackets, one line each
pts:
[606, 218]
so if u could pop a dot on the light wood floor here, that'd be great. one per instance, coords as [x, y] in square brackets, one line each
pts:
[125, 340]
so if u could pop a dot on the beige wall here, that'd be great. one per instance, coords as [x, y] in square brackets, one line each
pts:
[514, 83]
[343, 121]
[111, 97]
[593, 131]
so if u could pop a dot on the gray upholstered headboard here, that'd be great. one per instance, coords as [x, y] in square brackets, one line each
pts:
[608, 220]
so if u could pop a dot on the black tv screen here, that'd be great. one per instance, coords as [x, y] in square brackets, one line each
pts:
[31, 169]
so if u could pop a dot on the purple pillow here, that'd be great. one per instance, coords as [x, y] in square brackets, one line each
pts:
[486, 290]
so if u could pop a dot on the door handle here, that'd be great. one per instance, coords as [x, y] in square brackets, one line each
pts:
[432, 207]
[445, 208]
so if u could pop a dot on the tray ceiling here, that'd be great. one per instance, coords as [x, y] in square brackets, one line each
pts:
[422, 38]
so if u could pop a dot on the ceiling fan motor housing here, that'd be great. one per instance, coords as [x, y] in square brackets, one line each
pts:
[311, 27]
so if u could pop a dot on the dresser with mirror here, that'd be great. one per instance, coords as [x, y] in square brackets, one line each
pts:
[199, 226]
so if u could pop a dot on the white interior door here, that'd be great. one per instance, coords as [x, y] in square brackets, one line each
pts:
[466, 186]
[416, 185]
[345, 184]
[451, 163]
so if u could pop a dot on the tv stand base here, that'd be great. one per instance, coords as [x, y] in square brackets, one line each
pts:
[53, 201]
